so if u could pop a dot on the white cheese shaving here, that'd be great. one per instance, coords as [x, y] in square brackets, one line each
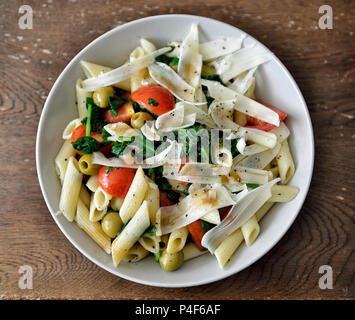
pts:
[190, 60]
[123, 72]
[242, 60]
[168, 78]
[193, 207]
[241, 103]
[220, 47]
[242, 84]
[240, 213]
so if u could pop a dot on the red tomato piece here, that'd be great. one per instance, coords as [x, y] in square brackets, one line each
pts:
[164, 200]
[156, 99]
[116, 182]
[261, 125]
[223, 212]
[197, 233]
[80, 132]
[124, 114]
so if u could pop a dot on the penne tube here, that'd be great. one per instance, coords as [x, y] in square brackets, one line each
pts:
[137, 80]
[93, 183]
[282, 193]
[70, 190]
[62, 159]
[153, 199]
[177, 240]
[130, 234]
[135, 196]
[285, 163]
[93, 229]
[250, 230]
[72, 125]
[84, 196]
[95, 214]
[228, 246]
[152, 244]
[81, 97]
[136, 253]
[101, 199]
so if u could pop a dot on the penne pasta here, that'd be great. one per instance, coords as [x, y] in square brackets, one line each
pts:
[72, 125]
[136, 253]
[281, 193]
[151, 244]
[93, 229]
[153, 199]
[285, 163]
[250, 230]
[70, 190]
[135, 196]
[101, 199]
[84, 196]
[95, 213]
[177, 240]
[93, 183]
[81, 96]
[131, 234]
[62, 159]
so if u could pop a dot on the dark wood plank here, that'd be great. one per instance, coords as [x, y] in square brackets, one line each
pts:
[323, 64]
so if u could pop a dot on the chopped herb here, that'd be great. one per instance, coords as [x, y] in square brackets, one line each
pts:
[105, 136]
[86, 145]
[153, 102]
[173, 196]
[252, 185]
[149, 232]
[119, 147]
[186, 191]
[115, 102]
[175, 61]
[97, 119]
[164, 59]
[213, 77]
[108, 169]
[138, 108]
[206, 226]
[157, 256]
[88, 122]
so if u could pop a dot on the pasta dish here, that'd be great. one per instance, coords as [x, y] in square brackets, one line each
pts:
[172, 154]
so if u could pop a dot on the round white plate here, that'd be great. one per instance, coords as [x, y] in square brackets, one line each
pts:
[275, 86]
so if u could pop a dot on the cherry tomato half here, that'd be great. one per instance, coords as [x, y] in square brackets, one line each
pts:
[164, 200]
[81, 132]
[261, 125]
[116, 182]
[155, 98]
[124, 114]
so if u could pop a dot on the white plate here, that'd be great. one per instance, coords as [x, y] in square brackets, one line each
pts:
[275, 86]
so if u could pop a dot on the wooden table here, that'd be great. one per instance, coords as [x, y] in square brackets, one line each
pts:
[321, 61]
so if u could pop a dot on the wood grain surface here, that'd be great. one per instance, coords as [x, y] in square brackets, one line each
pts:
[321, 61]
